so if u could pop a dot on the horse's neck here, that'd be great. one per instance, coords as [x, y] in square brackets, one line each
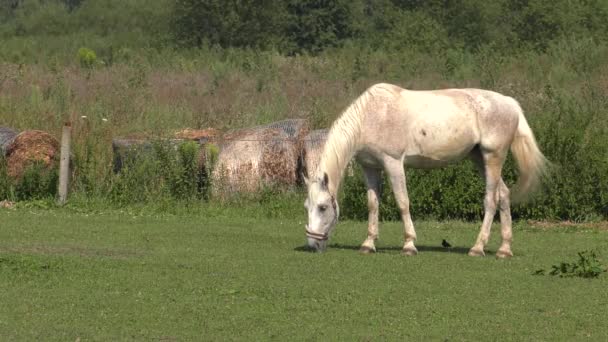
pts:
[341, 145]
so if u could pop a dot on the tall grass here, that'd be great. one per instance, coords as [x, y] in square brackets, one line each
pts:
[563, 90]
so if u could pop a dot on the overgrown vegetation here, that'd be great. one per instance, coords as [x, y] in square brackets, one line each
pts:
[587, 266]
[152, 66]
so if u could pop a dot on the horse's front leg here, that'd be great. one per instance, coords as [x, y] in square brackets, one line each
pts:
[396, 172]
[373, 178]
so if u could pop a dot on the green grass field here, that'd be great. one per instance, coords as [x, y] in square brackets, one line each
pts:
[114, 276]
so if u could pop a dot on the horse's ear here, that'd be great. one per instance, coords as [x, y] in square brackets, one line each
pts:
[325, 181]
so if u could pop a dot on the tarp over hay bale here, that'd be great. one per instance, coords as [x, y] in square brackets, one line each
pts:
[254, 157]
[312, 149]
[31, 147]
[129, 150]
[7, 135]
[200, 135]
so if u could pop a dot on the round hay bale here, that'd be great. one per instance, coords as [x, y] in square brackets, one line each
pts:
[312, 150]
[7, 135]
[31, 147]
[294, 128]
[201, 135]
[254, 157]
[236, 169]
[313, 145]
[279, 158]
[127, 151]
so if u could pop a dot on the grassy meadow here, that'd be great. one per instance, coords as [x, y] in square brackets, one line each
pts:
[145, 254]
[118, 275]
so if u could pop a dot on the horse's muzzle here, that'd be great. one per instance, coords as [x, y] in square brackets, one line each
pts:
[316, 241]
[317, 245]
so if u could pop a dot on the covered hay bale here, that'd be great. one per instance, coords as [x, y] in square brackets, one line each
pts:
[7, 135]
[313, 145]
[261, 156]
[31, 147]
[312, 150]
[201, 135]
[127, 151]
[295, 129]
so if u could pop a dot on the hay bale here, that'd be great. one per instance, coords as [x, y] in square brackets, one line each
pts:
[295, 129]
[201, 135]
[7, 135]
[312, 149]
[31, 147]
[254, 157]
[127, 151]
[313, 145]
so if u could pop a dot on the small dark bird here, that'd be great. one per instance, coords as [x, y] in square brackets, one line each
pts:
[445, 244]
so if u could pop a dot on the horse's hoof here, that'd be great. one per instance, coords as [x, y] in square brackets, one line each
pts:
[409, 251]
[504, 254]
[367, 250]
[476, 253]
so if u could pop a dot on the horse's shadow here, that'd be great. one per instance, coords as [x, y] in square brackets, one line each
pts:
[389, 249]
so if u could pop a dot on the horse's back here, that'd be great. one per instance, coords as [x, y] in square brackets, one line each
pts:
[424, 126]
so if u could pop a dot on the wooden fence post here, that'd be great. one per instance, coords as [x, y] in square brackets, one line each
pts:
[64, 164]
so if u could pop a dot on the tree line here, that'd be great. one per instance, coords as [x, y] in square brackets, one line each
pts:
[312, 26]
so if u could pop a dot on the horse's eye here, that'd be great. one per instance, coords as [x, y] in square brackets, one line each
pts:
[322, 207]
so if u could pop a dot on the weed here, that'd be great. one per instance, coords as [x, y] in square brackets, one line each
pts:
[587, 266]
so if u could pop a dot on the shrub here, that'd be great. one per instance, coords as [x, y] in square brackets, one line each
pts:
[87, 58]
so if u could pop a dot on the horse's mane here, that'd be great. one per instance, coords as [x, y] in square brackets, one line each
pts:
[342, 141]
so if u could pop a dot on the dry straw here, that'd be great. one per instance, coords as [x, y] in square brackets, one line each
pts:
[31, 147]
[260, 156]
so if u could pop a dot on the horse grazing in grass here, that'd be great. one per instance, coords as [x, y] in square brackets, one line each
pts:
[389, 127]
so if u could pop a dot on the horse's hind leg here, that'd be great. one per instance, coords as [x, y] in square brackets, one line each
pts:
[492, 167]
[396, 173]
[505, 222]
[504, 206]
[372, 179]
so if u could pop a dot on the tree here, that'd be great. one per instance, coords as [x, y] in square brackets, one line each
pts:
[317, 24]
[228, 23]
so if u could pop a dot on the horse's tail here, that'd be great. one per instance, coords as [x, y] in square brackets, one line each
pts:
[530, 160]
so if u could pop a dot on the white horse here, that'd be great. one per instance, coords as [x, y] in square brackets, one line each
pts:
[388, 127]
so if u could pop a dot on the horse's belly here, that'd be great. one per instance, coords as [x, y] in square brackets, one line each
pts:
[425, 162]
[368, 159]
[432, 153]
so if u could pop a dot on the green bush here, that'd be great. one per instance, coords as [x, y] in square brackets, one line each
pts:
[87, 58]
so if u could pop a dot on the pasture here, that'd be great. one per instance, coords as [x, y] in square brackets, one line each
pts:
[117, 276]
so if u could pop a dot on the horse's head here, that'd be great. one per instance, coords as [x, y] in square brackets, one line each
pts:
[323, 212]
